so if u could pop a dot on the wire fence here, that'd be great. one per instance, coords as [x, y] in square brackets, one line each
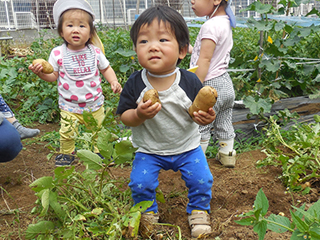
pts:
[37, 14]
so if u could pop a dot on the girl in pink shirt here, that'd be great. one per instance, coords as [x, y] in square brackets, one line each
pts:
[211, 53]
[77, 66]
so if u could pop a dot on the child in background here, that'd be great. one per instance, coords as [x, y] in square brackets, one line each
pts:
[10, 143]
[165, 134]
[8, 114]
[211, 53]
[77, 65]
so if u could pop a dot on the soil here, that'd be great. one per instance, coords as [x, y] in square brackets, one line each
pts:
[233, 191]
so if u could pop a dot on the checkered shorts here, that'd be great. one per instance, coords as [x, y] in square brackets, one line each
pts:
[222, 126]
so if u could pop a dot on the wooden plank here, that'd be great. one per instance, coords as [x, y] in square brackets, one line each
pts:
[302, 105]
[246, 128]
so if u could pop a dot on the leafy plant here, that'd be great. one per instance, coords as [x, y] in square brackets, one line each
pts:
[84, 203]
[304, 224]
[278, 68]
[295, 151]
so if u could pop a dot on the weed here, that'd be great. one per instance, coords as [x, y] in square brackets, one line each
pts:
[304, 224]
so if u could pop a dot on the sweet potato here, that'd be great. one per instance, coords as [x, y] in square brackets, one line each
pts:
[205, 99]
[47, 67]
[153, 95]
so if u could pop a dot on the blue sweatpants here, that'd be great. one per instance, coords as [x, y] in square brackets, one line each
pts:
[194, 170]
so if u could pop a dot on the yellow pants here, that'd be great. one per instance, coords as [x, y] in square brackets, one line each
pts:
[68, 126]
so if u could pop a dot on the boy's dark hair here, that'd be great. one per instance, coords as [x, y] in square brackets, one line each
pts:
[166, 15]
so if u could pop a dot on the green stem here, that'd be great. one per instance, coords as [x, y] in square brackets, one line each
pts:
[278, 224]
[279, 136]
[75, 203]
[170, 225]
[101, 180]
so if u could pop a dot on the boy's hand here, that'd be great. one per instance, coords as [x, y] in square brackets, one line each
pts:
[146, 110]
[204, 118]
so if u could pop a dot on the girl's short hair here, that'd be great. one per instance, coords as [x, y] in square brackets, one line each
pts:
[168, 16]
[92, 27]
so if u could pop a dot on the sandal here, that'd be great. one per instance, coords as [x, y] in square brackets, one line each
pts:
[199, 222]
[227, 160]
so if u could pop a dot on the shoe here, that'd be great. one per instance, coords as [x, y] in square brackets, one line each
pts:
[227, 160]
[199, 222]
[64, 160]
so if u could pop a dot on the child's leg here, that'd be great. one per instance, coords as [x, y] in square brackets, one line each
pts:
[67, 143]
[196, 173]
[144, 179]
[205, 137]
[23, 131]
[222, 125]
[10, 144]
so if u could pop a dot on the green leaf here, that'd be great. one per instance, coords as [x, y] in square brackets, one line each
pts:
[126, 53]
[315, 232]
[41, 183]
[45, 202]
[300, 224]
[133, 224]
[259, 7]
[279, 26]
[124, 68]
[259, 25]
[141, 206]
[270, 66]
[308, 69]
[246, 221]
[159, 195]
[314, 210]
[123, 158]
[261, 202]
[263, 105]
[297, 235]
[63, 172]
[91, 122]
[42, 227]
[123, 151]
[79, 217]
[305, 31]
[90, 159]
[55, 205]
[103, 143]
[281, 220]
[261, 228]
[124, 147]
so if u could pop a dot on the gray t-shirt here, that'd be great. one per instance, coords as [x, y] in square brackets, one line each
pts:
[172, 131]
